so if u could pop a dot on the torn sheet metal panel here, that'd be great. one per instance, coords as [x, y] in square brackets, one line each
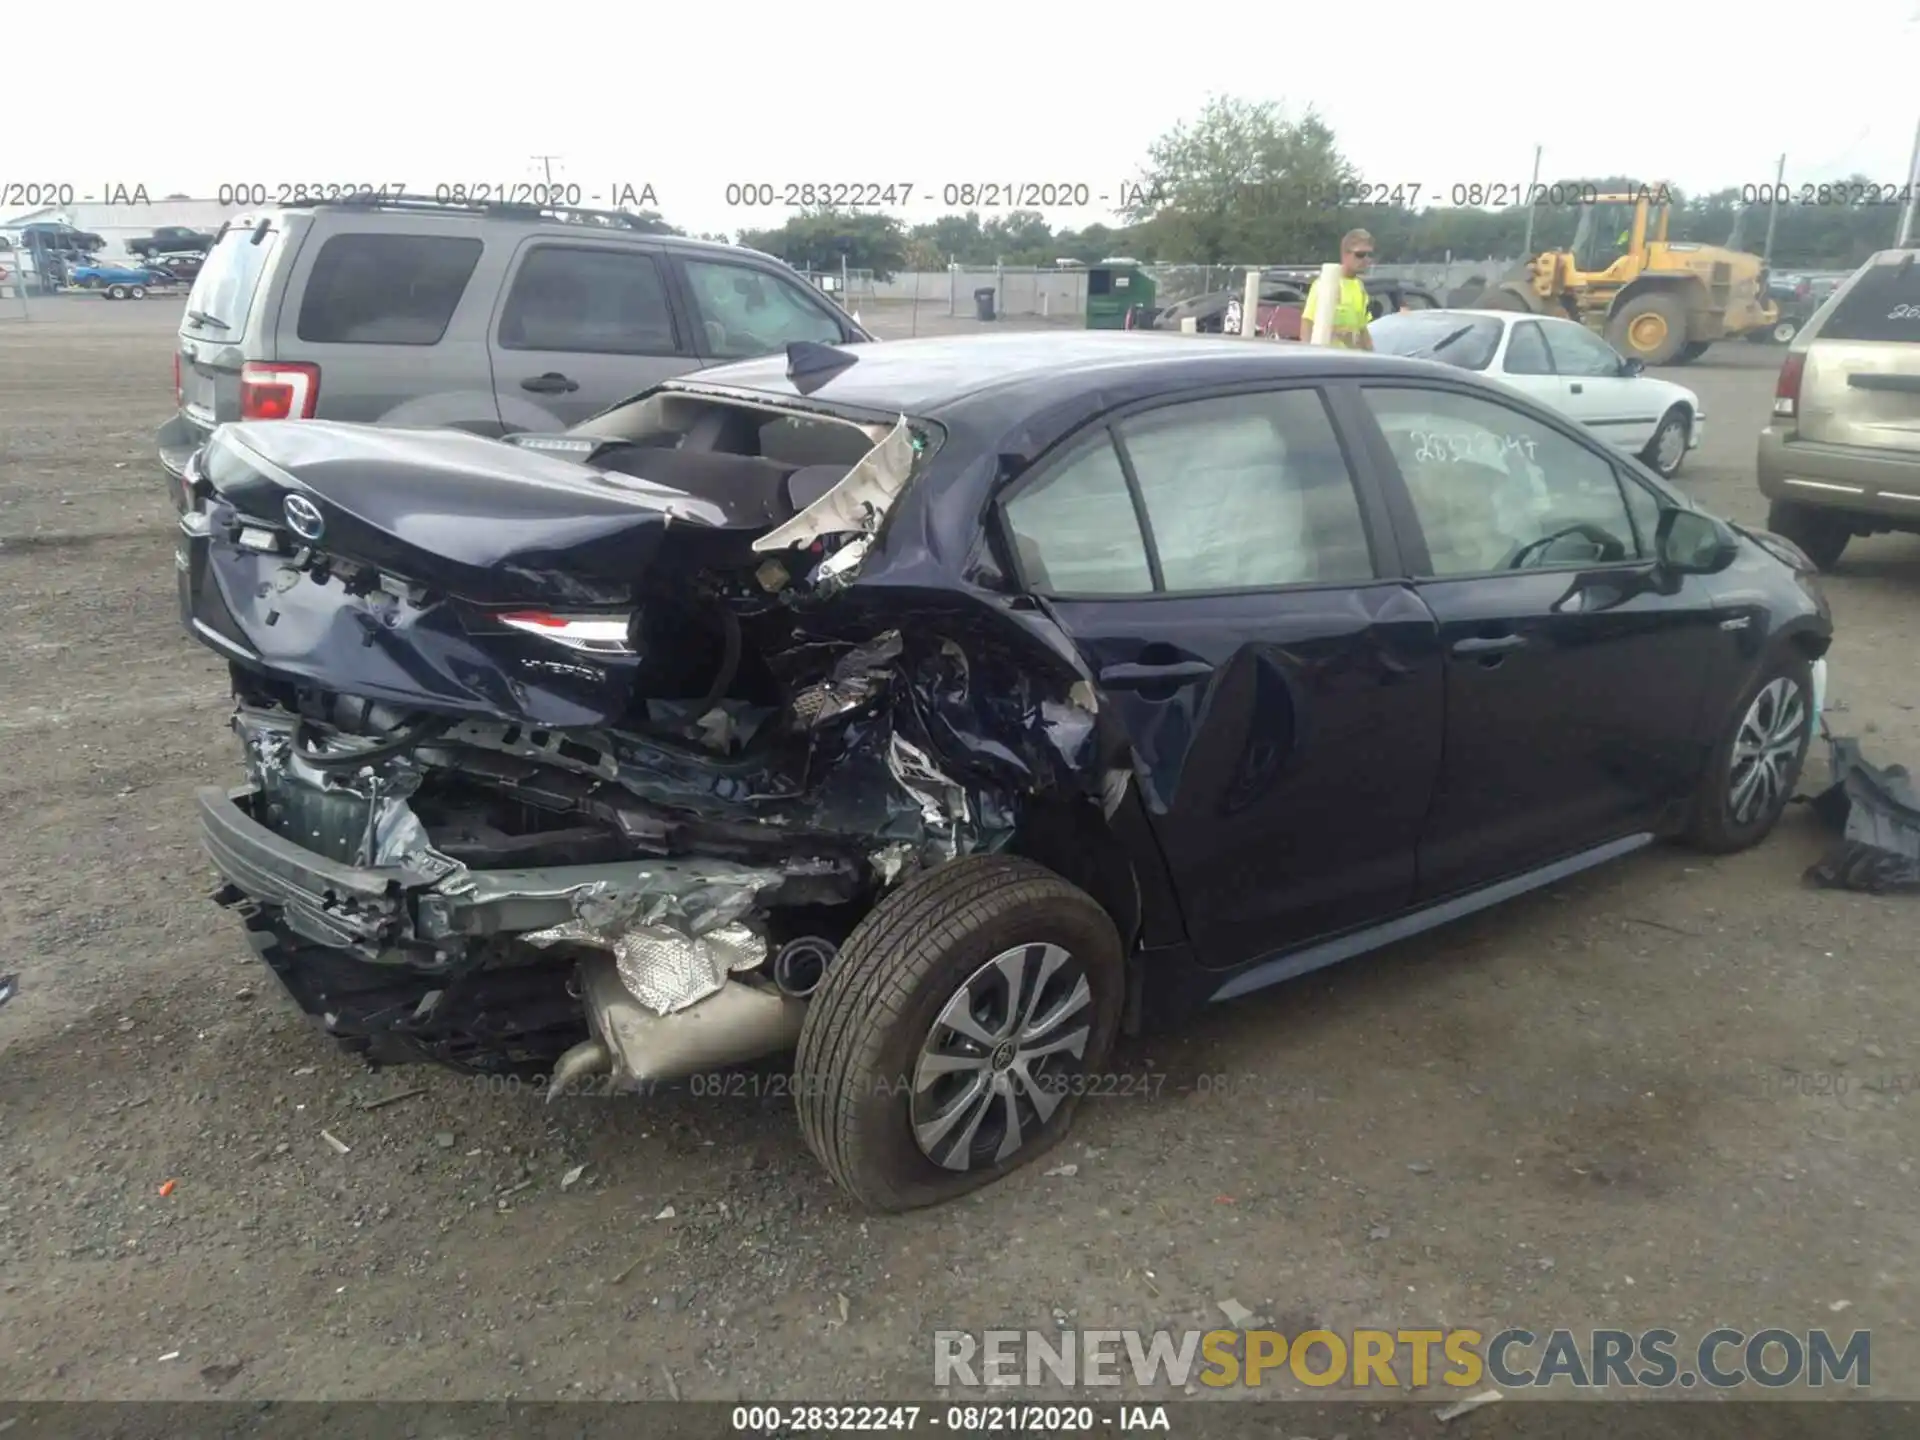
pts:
[1877, 812]
[856, 503]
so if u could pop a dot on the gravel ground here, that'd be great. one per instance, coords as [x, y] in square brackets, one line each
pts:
[1673, 1092]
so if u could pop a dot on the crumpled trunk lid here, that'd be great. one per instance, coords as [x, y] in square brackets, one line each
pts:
[482, 520]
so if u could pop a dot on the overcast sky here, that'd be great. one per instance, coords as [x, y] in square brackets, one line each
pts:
[688, 98]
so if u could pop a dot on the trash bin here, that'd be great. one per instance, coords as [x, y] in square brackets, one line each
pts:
[1115, 289]
[983, 303]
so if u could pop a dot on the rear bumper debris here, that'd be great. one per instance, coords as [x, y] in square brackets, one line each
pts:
[1877, 813]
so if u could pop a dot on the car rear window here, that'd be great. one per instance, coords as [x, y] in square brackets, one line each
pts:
[1417, 332]
[223, 291]
[386, 289]
[1883, 305]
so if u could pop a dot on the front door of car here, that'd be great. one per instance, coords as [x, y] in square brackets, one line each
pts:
[1576, 666]
[581, 326]
[1211, 559]
[1614, 405]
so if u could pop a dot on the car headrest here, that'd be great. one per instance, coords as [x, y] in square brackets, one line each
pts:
[810, 482]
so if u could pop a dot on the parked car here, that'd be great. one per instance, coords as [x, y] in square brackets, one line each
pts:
[180, 268]
[938, 707]
[117, 282]
[1283, 296]
[1563, 364]
[57, 235]
[491, 319]
[1842, 456]
[172, 240]
[1796, 297]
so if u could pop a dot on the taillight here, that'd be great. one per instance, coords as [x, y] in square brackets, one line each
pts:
[601, 634]
[278, 392]
[179, 391]
[1786, 390]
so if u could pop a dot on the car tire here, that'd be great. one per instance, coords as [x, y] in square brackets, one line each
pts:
[1783, 333]
[1672, 330]
[1675, 420]
[868, 1075]
[137, 292]
[116, 292]
[1692, 351]
[1822, 533]
[1756, 764]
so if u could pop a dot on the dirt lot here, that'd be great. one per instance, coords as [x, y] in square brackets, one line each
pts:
[1614, 1104]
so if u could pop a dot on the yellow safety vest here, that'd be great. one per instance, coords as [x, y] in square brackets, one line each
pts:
[1350, 314]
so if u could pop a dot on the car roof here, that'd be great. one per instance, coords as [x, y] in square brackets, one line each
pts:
[927, 376]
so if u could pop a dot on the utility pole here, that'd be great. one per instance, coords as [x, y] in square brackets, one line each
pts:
[1905, 235]
[1526, 245]
[1773, 211]
[547, 162]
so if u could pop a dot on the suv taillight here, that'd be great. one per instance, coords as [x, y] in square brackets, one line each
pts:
[278, 392]
[1786, 390]
[179, 391]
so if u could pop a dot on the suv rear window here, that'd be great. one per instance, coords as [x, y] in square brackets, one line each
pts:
[223, 290]
[386, 289]
[1883, 305]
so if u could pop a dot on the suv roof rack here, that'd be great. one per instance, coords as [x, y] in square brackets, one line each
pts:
[513, 209]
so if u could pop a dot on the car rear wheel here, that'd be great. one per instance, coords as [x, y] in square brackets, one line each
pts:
[1668, 447]
[1784, 332]
[137, 292]
[955, 1032]
[1822, 533]
[1757, 763]
[116, 292]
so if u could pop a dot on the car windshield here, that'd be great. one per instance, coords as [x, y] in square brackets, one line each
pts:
[1470, 340]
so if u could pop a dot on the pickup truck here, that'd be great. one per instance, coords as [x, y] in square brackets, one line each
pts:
[171, 239]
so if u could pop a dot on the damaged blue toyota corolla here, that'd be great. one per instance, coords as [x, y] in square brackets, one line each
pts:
[938, 708]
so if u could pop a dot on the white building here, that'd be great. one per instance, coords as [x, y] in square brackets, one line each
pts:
[117, 224]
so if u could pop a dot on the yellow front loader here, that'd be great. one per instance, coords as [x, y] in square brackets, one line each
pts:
[1656, 300]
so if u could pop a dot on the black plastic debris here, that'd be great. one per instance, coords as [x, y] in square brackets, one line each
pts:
[8, 984]
[1877, 813]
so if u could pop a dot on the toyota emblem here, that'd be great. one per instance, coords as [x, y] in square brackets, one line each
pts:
[303, 517]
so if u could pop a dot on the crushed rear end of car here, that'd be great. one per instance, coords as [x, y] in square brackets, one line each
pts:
[568, 758]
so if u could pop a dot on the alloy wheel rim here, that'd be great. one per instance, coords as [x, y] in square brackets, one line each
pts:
[1001, 1056]
[1785, 332]
[1671, 446]
[1764, 749]
[1647, 331]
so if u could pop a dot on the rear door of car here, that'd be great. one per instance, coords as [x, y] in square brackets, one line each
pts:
[742, 308]
[1861, 386]
[581, 324]
[1233, 591]
[386, 308]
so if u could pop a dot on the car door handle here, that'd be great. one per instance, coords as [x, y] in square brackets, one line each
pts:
[1138, 677]
[1576, 388]
[1488, 645]
[551, 383]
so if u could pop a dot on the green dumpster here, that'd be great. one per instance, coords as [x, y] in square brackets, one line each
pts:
[1119, 296]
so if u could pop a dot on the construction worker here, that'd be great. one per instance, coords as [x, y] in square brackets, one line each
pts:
[1350, 313]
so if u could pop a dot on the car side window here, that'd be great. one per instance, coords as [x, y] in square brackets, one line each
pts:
[590, 301]
[1247, 491]
[1495, 489]
[370, 289]
[747, 311]
[1527, 350]
[1074, 528]
[1578, 351]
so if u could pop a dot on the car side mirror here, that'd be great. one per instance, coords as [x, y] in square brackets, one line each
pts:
[1690, 543]
[1630, 367]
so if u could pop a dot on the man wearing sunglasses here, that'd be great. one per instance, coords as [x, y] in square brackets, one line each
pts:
[1350, 313]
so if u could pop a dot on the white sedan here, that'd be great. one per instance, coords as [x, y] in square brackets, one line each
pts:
[1561, 364]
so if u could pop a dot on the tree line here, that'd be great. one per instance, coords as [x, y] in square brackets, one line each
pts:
[1241, 184]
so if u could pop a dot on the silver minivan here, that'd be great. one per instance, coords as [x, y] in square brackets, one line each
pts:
[1842, 456]
[490, 318]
